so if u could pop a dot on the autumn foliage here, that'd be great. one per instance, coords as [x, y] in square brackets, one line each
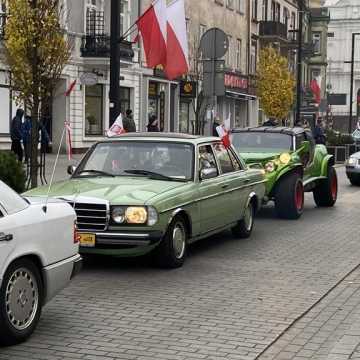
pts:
[36, 51]
[275, 84]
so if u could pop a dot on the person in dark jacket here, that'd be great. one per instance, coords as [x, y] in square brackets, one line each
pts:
[26, 136]
[44, 138]
[319, 133]
[153, 125]
[16, 134]
[128, 122]
[216, 123]
[270, 122]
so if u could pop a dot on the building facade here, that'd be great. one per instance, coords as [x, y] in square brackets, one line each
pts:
[344, 21]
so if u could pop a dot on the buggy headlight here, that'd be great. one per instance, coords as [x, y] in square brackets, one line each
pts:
[118, 214]
[270, 166]
[285, 158]
[136, 215]
[352, 161]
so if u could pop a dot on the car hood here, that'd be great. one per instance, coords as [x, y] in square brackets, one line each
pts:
[124, 190]
[252, 157]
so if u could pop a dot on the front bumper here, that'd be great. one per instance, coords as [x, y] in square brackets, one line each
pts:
[352, 170]
[123, 243]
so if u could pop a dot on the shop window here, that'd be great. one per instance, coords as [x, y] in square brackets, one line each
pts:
[94, 110]
[125, 102]
[184, 118]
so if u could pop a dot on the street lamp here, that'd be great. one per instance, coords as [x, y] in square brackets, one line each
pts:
[352, 80]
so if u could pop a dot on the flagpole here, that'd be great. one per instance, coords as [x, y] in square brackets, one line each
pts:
[114, 94]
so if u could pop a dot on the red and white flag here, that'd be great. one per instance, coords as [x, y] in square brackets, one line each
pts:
[117, 128]
[68, 140]
[224, 132]
[70, 88]
[177, 56]
[152, 27]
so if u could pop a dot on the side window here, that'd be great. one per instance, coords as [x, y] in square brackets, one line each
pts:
[206, 158]
[1, 214]
[236, 164]
[226, 165]
[299, 139]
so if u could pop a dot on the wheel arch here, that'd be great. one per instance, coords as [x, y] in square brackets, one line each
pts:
[329, 160]
[184, 214]
[253, 198]
[298, 168]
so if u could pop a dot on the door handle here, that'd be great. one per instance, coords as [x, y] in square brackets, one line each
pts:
[224, 186]
[247, 181]
[6, 237]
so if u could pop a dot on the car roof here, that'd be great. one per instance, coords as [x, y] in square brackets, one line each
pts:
[271, 129]
[162, 137]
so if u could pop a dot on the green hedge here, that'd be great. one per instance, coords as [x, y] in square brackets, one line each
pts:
[11, 171]
[335, 138]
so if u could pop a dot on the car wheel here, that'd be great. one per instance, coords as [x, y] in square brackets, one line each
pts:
[244, 227]
[289, 197]
[171, 252]
[21, 297]
[325, 194]
[354, 180]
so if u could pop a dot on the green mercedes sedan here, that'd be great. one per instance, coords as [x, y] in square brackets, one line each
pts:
[141, 193]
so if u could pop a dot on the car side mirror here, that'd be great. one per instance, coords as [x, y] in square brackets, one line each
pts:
[71, 169]
[208, 173]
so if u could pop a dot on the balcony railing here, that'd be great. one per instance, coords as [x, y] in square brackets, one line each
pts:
[99, 46]
[273, 29]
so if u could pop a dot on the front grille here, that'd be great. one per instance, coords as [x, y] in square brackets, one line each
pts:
[90, 217]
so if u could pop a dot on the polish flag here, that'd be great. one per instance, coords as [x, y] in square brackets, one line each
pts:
[177, 45]
[224, 132]
[152, 27]
[117, 128]
[315, 88]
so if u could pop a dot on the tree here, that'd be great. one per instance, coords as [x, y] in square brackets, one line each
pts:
[275, 84]
[36, 52]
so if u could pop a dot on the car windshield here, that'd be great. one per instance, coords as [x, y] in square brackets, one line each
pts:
[10, 200]
[159, 160]
[262, 142]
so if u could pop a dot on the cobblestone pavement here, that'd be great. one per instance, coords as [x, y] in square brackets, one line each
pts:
[291, 291]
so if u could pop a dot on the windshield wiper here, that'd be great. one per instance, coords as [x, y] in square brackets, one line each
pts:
[99, 172]
[149, 173]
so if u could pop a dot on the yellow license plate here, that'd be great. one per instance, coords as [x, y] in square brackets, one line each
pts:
[87, 240]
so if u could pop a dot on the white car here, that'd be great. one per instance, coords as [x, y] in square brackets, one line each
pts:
[38, 258]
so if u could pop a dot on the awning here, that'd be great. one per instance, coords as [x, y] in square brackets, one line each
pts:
[242, 96]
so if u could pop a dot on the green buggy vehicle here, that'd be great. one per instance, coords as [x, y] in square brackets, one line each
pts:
[293, 164]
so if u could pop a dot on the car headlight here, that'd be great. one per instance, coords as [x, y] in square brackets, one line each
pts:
[136, 215]
[118, 215]
[352, 161]
[270, 166]
[152, 216]
[285, 158]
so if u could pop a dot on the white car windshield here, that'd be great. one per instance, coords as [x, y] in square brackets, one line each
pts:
[10, 200]
[162, 160]
[261, 142]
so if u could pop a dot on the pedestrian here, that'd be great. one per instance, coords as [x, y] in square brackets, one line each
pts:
[153, 125]
[216, 123]
[306, 125]
[16, 134]
[26, 137]
[128, 122]
[271, 122]
[319, 133]
[44, 138]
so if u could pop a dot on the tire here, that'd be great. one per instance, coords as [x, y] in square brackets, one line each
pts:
[325, 194]
[21, 298]
[289, 197]
[354, 180]
[171, 252]
[244, 227]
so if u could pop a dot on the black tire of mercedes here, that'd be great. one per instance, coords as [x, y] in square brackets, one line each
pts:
[322, 193]
[164, 253]
[285, 205]
[8, 334]
[240, 230]
[354, 180]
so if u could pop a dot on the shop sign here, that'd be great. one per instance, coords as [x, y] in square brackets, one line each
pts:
[88, 79]
[153, 91]
[188, 89]
[235, 81]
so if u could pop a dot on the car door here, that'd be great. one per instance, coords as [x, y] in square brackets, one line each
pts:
[210, 190]
[235, 181]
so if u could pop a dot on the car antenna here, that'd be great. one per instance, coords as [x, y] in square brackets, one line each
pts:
[53, 171]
